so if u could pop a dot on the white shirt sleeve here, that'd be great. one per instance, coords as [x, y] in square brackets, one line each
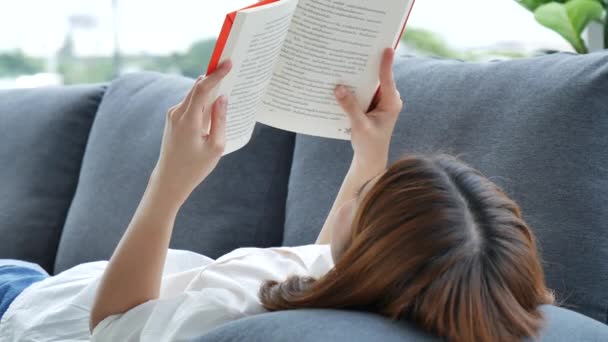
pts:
[180, 318]
[226, 290]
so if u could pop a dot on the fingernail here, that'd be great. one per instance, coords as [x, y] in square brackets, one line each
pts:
[341, 91]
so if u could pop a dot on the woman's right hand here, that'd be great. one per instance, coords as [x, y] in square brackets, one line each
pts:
[372, 131]
[188, 152]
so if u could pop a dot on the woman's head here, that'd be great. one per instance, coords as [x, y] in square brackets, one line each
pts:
[433, 241]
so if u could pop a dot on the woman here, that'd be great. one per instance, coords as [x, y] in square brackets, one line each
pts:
[428, 239]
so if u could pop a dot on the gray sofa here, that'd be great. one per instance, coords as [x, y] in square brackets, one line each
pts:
[74, 162]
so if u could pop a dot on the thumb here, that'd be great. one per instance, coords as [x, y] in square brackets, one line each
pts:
[217, 133]
[349, 103]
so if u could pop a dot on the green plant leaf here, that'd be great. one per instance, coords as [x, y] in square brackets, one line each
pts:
[532, 5]
[581, 12]
[570, 19]
[555, 17]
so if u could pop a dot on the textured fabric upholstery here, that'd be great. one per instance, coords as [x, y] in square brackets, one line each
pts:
[240, 204]
[43, 134]
[538, 127]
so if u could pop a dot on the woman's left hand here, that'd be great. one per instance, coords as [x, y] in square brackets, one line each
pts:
[188, 154]
[372, 131]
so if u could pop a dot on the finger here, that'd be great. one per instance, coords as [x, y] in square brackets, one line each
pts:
[387, 80]
[180, 108]
[171, 111]
[202, 91]
[349, 103]
[206, 119]
[188, 97]
[386, 69]
[217, 133]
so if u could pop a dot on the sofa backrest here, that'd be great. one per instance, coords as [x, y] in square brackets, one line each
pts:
[240, 205]
[43, 134]
[537, 127]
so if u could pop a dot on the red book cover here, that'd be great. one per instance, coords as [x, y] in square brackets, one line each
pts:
[405, 23]
[225, 33]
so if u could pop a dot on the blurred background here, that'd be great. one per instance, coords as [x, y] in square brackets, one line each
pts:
[75, 41]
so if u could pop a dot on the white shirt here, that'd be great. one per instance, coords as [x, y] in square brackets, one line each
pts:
[197, 295]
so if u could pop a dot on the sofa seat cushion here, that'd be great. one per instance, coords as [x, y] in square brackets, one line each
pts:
[334, 325]
[43, 134]
[241, 204]
[538, 127]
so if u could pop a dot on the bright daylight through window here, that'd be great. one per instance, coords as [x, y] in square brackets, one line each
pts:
[71, 41]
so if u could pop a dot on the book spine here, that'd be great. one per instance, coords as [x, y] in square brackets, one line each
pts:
[225, 34]
[405, 24]
[377, 94]
[221, 43]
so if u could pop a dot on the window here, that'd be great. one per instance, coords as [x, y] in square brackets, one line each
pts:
[75, 41]
[478, 30]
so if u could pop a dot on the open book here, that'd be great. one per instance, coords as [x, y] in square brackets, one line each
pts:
[289, 55]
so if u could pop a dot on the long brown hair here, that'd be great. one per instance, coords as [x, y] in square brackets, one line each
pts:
[436, 243]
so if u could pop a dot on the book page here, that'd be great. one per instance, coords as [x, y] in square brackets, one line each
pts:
[330, 42]
[253, 47]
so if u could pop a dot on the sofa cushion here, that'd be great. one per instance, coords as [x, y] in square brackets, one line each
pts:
[241, 203]
[43, 134]
[334, 325]
[538, 127]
